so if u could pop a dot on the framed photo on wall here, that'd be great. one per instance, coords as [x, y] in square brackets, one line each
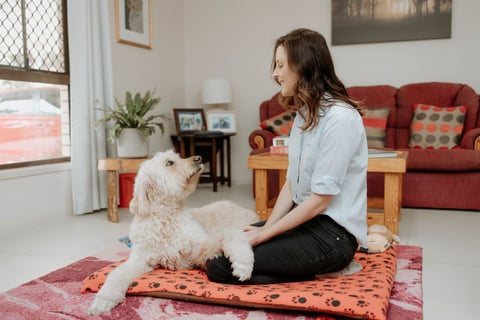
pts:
[189, 120]
[355, 22]
[221, 121]
[133, 22]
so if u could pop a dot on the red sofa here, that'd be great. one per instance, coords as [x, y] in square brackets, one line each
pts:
[435, 178]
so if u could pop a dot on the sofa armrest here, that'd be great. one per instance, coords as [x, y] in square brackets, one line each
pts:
[260, 139]
[471, 140]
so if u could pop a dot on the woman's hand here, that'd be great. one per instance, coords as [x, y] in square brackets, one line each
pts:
[256, 235]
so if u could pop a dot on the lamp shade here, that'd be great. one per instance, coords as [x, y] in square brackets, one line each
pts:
[216, 91]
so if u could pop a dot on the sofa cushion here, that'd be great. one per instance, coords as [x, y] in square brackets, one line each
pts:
[375, 123]
[440, 94]
[280, 124]
[435, 127]
[432, 160]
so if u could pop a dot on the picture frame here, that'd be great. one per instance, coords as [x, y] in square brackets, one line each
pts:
[221, 121]
[133, 22]
[353, 22]
[189, 120]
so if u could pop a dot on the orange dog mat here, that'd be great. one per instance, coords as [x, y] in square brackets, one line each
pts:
[363, 295]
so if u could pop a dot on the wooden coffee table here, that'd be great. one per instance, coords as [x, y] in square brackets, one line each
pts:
[390, 206]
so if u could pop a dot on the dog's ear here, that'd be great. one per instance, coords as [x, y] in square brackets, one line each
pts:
[144, 194]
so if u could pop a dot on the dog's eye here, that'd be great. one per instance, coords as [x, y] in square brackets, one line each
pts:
[169, 163]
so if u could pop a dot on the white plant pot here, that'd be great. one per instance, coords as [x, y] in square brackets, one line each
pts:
[131, 144]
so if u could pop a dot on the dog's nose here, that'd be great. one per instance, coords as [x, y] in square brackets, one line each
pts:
[197, 159]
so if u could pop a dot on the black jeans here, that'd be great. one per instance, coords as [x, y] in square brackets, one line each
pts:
[319, 245]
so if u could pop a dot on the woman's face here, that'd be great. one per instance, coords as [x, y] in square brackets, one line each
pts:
[286, 76]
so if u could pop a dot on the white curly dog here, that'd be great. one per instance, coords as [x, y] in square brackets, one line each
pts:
[165, 234]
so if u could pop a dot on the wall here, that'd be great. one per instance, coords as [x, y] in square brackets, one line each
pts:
[161, 68]
[234, 39]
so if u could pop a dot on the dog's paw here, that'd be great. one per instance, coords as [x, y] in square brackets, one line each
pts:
[242, 274]
[101, 305]
[242, 270]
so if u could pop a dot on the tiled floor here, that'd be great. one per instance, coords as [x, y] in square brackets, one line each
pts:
[450, 241]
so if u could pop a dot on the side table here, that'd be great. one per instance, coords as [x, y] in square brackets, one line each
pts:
[113, 166]
[210, 143]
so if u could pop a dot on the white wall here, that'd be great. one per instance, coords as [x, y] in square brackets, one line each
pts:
[29, 195]
[195, 40]
[234, 39]
[161, 68]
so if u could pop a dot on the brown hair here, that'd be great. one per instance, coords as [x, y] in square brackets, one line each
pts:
[308, 54]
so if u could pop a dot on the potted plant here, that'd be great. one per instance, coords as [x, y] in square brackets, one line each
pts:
[131, 125]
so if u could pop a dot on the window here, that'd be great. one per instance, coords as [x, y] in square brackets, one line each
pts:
[34, 83]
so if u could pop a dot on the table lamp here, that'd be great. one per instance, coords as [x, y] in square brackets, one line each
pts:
[216, 91]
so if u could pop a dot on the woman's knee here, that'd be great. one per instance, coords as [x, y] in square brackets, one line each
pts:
[219, 270]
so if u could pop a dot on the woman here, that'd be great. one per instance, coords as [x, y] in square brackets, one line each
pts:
[319, 219]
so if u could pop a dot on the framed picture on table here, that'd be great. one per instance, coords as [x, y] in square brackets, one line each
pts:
[189, 120]
[221, 121]
[133, 22]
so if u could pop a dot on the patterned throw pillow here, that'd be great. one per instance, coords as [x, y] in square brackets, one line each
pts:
[436, 127]
[281, 124]
[375, 123]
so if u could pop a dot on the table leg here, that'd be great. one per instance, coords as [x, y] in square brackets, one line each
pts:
[182, 147]
[214, 164]
[229, 170]
[392, 200]
[222, 160]
[261, 193]
[282, 176]
[192, 147]
[112, 208]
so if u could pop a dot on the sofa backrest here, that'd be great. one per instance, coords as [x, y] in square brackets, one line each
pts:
[381, 96]
[270, 108]
[440, 94]
[401, 101]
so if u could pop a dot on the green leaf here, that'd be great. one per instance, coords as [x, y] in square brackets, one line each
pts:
[132, 113]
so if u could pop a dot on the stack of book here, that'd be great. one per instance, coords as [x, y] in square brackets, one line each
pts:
[378, 153]
[280, 145]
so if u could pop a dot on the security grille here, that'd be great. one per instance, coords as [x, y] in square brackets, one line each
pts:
[32, 35]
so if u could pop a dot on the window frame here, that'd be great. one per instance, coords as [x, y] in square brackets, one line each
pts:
[25, 74]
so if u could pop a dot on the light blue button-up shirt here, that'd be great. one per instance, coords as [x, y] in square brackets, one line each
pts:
[332, 159]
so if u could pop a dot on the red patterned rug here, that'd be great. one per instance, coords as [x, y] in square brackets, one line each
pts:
[57, 296]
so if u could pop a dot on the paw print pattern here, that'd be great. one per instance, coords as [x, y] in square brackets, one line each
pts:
[180, 286]
[251, 292]
[271, 297]
[362, 303]
[233, 297]
[332, 302]
[93, 276]
[154, 285]
[299, 299]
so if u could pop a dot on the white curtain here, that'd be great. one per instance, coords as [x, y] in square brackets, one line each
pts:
[91, 86]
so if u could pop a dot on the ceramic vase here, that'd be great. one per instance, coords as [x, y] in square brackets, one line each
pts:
[132, 144]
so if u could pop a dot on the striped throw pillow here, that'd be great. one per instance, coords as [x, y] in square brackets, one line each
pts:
[375, 123]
